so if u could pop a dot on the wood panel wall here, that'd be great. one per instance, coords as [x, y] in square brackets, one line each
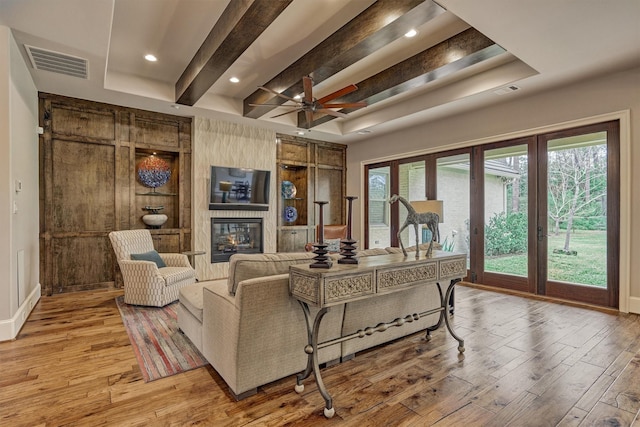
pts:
[89, 187]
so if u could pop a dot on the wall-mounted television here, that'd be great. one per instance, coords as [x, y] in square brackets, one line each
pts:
[239, 189]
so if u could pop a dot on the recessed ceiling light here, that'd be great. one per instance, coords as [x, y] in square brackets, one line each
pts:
[150, 58]
[300, 132]
[411, 33]
[234, 80]
[176, 106]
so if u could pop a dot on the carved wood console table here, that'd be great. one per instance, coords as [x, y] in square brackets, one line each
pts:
[373, 276]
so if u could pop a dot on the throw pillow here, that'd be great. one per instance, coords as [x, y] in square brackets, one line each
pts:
[149, 256]
[333, 245]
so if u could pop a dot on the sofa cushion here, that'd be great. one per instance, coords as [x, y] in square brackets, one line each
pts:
[423, 247]
[249, 266]
[393, 250]
[371, 252]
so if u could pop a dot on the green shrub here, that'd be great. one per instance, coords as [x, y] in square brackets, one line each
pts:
[589, 223]
[506, 234]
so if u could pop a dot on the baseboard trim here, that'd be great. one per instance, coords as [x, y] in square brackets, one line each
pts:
[634, 305]
[10, 328]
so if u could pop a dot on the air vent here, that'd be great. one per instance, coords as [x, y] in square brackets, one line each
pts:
[47, 60]
[506, 89]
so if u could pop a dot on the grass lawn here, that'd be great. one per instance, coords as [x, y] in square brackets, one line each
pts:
[588, 267]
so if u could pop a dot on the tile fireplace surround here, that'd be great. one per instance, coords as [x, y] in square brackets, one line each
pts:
[235, 236]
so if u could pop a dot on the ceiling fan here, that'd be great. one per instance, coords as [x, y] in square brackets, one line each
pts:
[311, 105]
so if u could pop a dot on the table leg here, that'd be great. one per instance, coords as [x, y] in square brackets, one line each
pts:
[312, 361]
[446, 304]
[447, 314]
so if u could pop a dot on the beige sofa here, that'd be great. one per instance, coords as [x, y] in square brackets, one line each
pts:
[253, 332]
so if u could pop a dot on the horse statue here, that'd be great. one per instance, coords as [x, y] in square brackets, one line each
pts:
[430, 219]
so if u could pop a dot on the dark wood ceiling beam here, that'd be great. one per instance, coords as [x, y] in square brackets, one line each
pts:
[450, 56]
[357, 39]
[239, 26]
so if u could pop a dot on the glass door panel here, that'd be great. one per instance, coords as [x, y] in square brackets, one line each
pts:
[379, 218]
[453, 188]
[412, 187]
[577, 209]
[506, 236]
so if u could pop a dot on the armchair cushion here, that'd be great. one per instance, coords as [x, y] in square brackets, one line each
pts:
[173, 275]
[153, 256]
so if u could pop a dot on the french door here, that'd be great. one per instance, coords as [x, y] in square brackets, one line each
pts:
[550, 213]
[538, 214]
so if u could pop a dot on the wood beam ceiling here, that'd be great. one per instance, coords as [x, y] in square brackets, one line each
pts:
[357, 39]
[470, 47]
[243, 21]
[240, 25]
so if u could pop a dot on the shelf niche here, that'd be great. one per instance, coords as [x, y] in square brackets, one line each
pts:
[165, 195]
[318, 170]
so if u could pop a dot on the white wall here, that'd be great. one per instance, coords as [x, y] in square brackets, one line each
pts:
[227, 144]
[19, 282]
[602, 96]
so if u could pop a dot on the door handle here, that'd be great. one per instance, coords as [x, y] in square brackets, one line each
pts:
[540, 233]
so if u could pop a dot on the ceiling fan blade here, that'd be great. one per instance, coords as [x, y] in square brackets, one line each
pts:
[309, 115]
[284, 114]
[288, 98]
[332, 113]
[338, 93]
[307, 83]
[274, 105]
[346, 105]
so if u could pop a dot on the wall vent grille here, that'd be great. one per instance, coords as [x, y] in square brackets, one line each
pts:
[48, 60]
[506, 89]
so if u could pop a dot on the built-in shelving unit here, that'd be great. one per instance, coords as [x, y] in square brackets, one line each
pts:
[89, 187]
[317, 169]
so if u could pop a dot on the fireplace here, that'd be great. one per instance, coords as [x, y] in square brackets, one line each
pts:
[235, 236]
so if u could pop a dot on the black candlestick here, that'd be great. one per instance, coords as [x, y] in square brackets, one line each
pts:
[348, 245]
[322, 260]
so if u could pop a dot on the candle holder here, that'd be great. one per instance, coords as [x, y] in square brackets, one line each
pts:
[321, 258]
[348, 245]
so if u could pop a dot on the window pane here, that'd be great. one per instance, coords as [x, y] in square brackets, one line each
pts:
[577, 209]
[379, 229]
[453, 187]
[412, 187]
[505, 203]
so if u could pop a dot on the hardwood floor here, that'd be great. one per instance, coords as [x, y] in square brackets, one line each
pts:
[528, 363]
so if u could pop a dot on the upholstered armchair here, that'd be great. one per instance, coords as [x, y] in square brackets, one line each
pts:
[149, 278]
[333, 234]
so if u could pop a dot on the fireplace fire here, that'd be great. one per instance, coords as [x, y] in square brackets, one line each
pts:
[235, 236]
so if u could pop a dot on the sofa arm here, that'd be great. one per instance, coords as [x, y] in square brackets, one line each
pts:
[175, 260]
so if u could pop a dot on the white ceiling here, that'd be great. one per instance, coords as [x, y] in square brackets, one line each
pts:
[548, 43]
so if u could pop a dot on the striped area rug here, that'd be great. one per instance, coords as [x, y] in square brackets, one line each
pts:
[161, 348]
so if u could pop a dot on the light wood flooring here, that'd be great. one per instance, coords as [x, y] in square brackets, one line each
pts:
[527, 363]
